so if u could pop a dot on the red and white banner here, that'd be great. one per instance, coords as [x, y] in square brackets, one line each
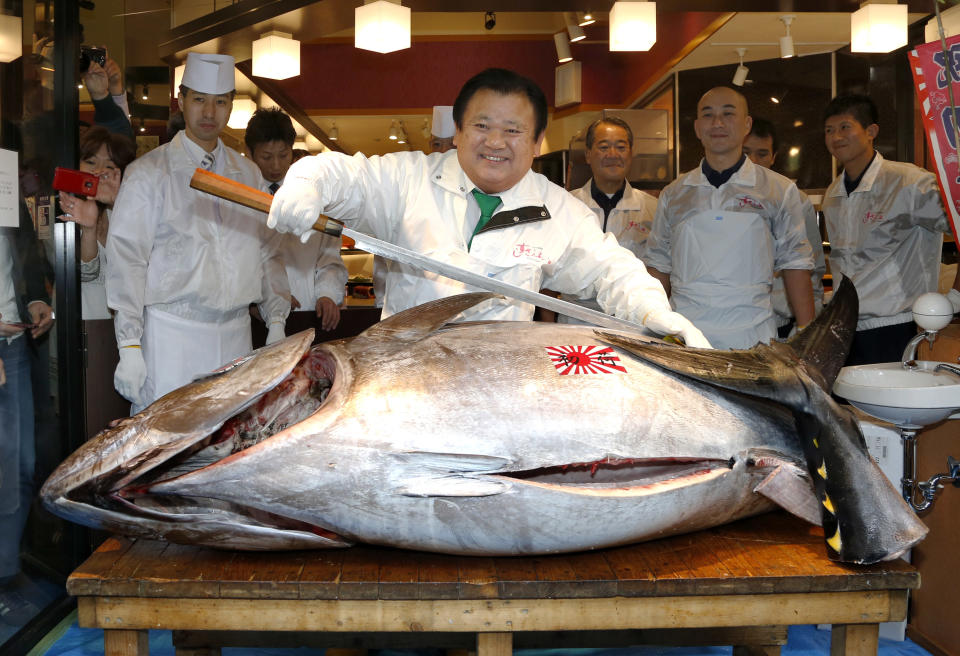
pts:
[930, 78]
[590, 359]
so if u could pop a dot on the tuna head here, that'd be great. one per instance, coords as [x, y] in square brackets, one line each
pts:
[96, 486]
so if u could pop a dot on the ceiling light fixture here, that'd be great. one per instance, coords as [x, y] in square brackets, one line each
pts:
[878, 26]
[740, 76]
[300, 144]
[146, 93]
[11, 38]
[573, 29]
[585, 18]
[393, 134]
[786, 42]
[490, 20]
[276, 55]
[633, 25]
[243, 109]
[401, 134]
[334, 133]
[381, 26]
[563, 47]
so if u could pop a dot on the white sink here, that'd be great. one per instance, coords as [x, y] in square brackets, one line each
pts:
[904, 397]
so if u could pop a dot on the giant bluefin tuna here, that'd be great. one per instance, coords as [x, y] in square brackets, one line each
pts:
[492, 438]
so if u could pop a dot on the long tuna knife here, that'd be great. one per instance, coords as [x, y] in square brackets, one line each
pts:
[238, 192]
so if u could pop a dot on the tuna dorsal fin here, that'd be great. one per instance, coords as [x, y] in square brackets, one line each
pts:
[824, 344]
[416, 323]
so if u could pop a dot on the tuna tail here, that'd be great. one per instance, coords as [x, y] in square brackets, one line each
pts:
[864, 517]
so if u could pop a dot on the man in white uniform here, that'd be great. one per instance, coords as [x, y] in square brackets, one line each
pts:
[761, 147]
[315, 270]
[183, 266]
[724, 228]
[480, 207]
[885, 223]
[442, 129]
[621, 210]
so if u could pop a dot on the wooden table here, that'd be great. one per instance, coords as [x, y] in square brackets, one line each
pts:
[739, 584]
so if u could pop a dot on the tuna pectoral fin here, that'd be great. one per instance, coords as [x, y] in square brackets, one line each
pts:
[451, 486]
[789, 488]
[416, 323]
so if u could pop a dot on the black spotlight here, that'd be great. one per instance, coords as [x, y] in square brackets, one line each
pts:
[490, 20]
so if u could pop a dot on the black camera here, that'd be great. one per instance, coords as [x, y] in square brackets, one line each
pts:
[90, 54]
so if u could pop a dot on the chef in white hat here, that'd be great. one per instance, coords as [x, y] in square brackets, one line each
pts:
[182, 265]
[442, 129]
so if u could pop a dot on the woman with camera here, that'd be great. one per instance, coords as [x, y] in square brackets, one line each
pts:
[105, 155]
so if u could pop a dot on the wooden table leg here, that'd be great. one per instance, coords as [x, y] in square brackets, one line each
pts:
[854, 639]
[494, 644]
[123, 642]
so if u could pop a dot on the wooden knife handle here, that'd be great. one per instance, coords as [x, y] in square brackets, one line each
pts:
[238, 192]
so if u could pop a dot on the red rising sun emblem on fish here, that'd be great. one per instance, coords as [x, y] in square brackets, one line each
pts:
[590, 359]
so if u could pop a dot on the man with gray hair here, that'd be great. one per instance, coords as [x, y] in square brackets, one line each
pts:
[182, 265]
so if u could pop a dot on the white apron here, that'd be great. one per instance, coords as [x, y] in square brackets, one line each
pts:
[721, 278]
[176, 350]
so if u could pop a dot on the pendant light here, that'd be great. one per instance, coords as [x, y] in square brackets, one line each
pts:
[276, 55]
[382, 26]
[633, 25]
[878, 27]
[243, 109]
[11, 38]
[563, 47]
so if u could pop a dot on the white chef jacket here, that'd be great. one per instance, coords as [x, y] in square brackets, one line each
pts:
[186, 252]
[887, 237]
[781, 306]
[721, 280]
[629, 221]
[540, 236]
[315, 269]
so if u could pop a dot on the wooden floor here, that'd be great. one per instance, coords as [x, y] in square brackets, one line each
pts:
[769, 571]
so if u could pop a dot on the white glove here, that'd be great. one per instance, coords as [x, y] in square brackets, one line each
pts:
[275, 333]
[673, 323]
[131, 373]
[295, 207]
[954, 297]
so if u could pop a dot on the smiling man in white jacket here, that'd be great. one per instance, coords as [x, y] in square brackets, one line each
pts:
[533, 234]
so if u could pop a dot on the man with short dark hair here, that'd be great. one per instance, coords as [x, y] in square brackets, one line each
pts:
[885, 223]
[761, 147]
[481, 207]
[724, 228]
[182, 265]
[315, 270]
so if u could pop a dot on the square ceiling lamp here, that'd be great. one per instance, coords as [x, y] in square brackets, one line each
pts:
[243, 109]
[878, 27]
[382, 26]
[276, 55]
[633, 25]
[11, 38]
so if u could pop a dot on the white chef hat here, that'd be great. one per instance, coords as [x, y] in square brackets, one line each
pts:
[208, 73]
[442, 125]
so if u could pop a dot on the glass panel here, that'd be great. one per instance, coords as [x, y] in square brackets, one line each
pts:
[37, 551]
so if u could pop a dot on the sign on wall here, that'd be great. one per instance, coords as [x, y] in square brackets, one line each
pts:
[930, 78]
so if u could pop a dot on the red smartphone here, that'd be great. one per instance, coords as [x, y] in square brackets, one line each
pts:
[75, 182]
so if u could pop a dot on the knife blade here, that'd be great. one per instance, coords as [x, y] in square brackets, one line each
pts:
[240, 193]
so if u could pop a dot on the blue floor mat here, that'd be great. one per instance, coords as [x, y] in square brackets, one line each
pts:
[802, 641]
